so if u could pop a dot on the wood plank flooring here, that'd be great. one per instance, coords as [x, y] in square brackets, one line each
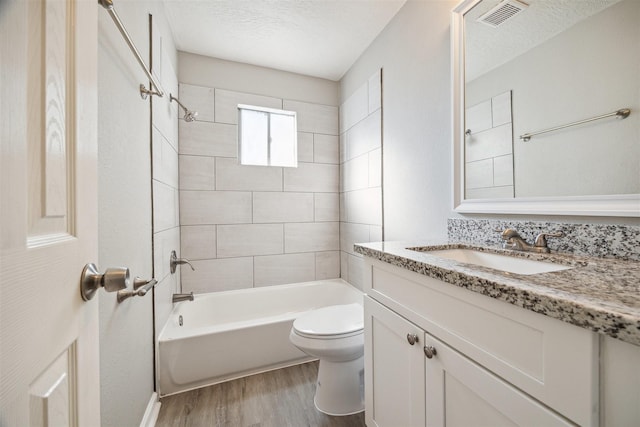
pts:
[281, 398]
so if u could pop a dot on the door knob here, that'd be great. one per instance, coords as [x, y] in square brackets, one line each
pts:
[112, 280]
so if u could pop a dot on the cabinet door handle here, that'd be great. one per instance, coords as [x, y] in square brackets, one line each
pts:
[412, 338]
[429, 351]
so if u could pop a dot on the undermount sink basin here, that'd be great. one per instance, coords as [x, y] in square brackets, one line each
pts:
[499, 262]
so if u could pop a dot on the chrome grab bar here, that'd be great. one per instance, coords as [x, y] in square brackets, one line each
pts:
[108, 4]
[140, 288]
[623, 113]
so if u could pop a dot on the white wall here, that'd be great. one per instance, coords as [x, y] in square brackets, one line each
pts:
[413, 50]
[125, 209]
[249, 226]
[212, 72]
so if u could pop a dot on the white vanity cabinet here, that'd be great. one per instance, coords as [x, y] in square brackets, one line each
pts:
[410, 386]
[494, 364]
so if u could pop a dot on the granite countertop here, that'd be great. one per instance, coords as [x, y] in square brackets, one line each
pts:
[602, 295]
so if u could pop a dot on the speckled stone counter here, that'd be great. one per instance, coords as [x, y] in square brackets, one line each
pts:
[602, 295]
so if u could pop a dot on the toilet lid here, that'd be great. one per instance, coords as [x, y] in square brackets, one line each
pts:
[332, 320]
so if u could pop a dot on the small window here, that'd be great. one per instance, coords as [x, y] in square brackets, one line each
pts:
[267, 137]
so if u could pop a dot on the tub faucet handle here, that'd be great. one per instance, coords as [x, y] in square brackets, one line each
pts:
[175, 261]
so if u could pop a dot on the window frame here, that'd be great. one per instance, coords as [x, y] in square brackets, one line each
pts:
[270, 112]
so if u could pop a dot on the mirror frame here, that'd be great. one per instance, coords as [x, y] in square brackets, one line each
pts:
[620, 205]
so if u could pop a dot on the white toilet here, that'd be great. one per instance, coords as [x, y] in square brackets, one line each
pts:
[335, 335]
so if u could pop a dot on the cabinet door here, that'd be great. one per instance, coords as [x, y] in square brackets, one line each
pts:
[394, 369]
[461, 393]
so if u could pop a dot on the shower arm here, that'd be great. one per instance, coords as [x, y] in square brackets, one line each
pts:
[108, 5]
[173, 98]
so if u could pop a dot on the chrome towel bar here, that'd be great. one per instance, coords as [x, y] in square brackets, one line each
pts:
[108, 4]
[621, 114]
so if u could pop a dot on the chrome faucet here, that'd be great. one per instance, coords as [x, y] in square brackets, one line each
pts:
[182, 297]
[513, 240]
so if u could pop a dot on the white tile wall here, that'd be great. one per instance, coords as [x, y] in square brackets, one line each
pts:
[490, 143]
[503, 170]
[355, 108]
[311, 237]
[326, 207]
[355, 270]
[501, 109]
[313, 177]
[279, 269]
[164, 150]
[327, 265]
[479, 174]
[490, 193]
[361, 174]
[478, 117]
[375, 168]
[197, 98]
[251, 225]
[230, 175]
[355, 173]
[198, 241]
[365, 136]
[272, 207]
[375, 233]
[208, 139]
[214, 207]
[363, 206]
[352, 233]
[326, 149]
[213, 275]
[165, 160]
[226, 104]
[163, 243]
[165, 206]
[249, 240]
[197, 173]
[488, 153]
[305, 147]
[314, 118]
[375, 92]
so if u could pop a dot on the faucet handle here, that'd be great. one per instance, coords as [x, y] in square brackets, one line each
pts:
[541, 239]
[175, 261]
[509, 233]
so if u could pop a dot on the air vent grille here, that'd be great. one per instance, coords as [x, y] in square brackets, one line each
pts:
[502, 12]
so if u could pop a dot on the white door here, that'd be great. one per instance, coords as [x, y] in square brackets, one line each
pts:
[48, 201]
[394, 369]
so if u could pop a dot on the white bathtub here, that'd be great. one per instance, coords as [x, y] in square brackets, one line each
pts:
[226, 335]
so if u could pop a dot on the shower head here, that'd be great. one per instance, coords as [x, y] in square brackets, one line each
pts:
[189, 116]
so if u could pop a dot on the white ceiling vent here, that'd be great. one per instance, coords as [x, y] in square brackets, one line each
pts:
[502, 12]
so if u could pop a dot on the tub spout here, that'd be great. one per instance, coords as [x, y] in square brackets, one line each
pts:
[182, 297]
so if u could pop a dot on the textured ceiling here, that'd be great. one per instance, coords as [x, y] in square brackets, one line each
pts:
[321, 38]
[487, 48]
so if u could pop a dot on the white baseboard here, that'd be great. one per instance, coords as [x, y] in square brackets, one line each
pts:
[151, 413]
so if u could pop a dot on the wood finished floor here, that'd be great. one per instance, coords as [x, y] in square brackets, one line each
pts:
[281, 398]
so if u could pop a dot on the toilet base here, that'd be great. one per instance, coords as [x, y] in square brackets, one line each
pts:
[340, 387]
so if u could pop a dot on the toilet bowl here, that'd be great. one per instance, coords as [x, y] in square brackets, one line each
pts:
[335, 335]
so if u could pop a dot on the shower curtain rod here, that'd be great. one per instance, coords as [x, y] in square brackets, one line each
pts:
[108, 4]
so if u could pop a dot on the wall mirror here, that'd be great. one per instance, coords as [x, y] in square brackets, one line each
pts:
[525, 67]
